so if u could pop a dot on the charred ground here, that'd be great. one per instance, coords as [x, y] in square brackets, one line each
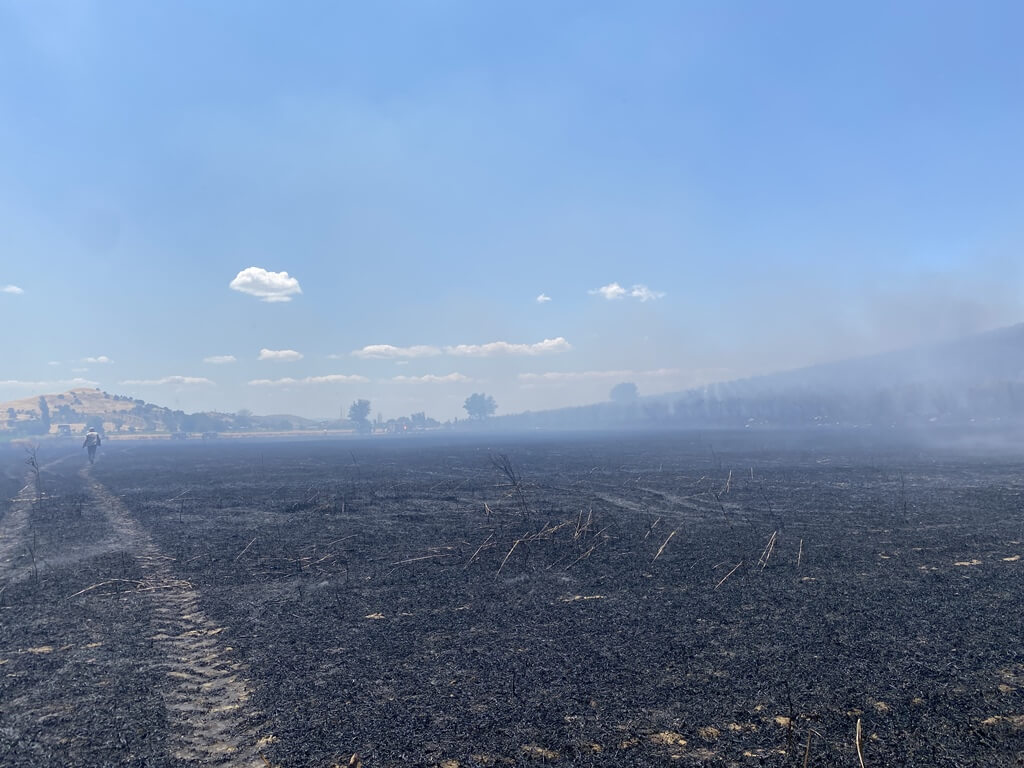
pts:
[681, 599]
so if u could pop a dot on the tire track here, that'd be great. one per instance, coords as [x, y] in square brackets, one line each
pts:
[14, 526]
[207, 694]
[14, 533]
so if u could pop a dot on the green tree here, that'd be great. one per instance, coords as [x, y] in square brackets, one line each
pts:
[359, 414]
[479, 406]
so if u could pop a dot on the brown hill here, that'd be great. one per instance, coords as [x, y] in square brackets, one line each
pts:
[76, 408]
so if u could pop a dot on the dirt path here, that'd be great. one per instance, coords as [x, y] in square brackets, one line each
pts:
[207, 694]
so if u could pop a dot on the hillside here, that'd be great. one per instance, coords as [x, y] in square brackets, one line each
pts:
[975, 379]
[81, 408]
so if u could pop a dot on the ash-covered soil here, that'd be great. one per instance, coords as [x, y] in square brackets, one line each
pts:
[686, 599]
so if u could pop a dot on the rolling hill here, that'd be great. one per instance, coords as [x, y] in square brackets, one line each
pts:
[975, 379]
[81, 408]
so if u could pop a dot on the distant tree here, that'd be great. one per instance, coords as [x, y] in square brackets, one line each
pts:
[479, 406]
[623, 393]
[202, 422]
[243, 419]
[66, 413]
[656, 412]
[359, 413]
[44, 415]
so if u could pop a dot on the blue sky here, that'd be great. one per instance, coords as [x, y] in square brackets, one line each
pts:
[786, 183]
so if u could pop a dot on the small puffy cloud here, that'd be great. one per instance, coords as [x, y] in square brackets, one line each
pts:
[380, 351]
[611, 291]
[179, 380]
[280, 355]
[639, 291]
[48, 386]
[430, 378]
[54, 362]
[265, 285]
[547, 346]
[12, 289]
[543, 299]
[220, 359]
[101, 360]
[331, 378]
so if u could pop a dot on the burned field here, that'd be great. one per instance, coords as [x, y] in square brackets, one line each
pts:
[669, 600]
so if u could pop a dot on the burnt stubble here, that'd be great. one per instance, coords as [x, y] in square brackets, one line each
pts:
[688, 598]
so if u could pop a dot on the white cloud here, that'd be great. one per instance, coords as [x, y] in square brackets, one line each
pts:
[644, 293]
[611, 291]
[280, 355]
[614, 291]
[54, 362]
[48, 386]
[570, 376]
[543, 299]
[389, 351]
[181, 380]
[101, 360]
[430, 378]
[505, 348]
[12, 289]
[332, 378]
[264, 285]
[220, 359]
[558, 344]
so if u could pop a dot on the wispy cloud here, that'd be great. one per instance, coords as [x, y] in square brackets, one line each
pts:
[381, 351]
[570, 376]
[265, 285]
[543, 299]
[505, 348]
[12, 289]
[44, 386]
[280, 355]
[332, 378]
[54, 362]
[644, 293]
[179, 380]
[431, 378]
[101, 360]
[220, 359]
[492, 348]
[614, 292]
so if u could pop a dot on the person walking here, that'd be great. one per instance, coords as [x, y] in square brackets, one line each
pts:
[92, 442]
